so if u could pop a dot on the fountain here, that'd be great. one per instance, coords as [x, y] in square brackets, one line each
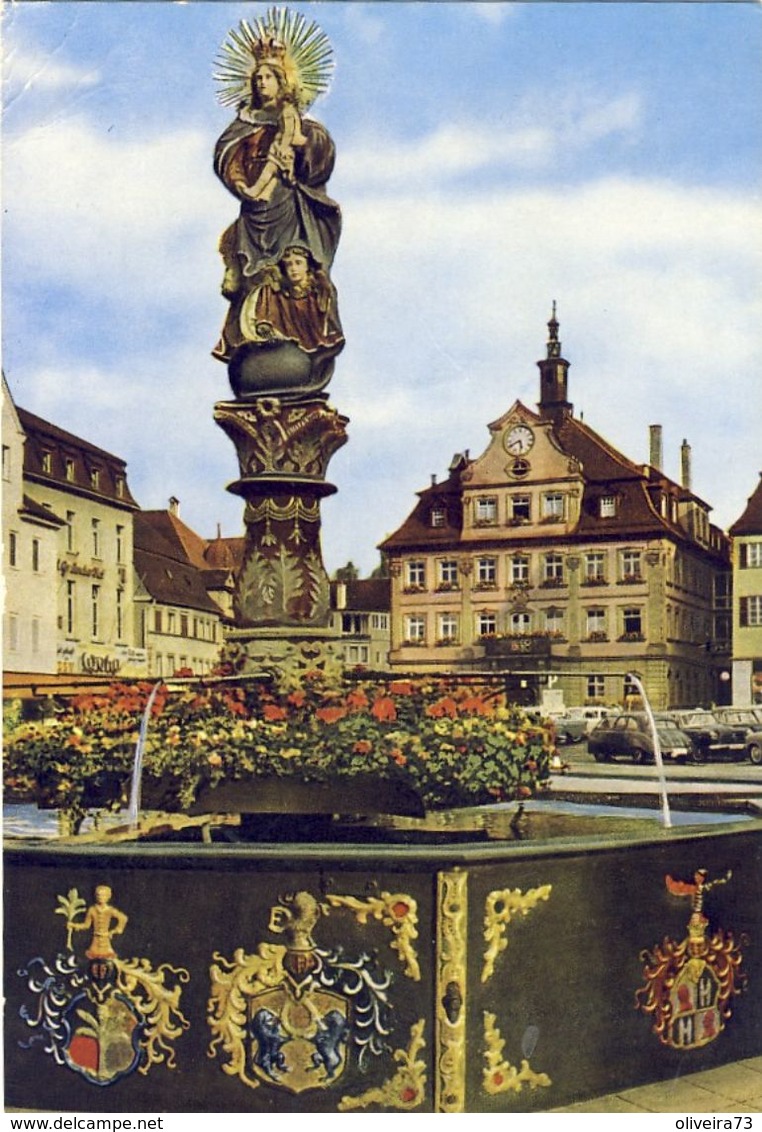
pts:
[659, 761]
[473, 959]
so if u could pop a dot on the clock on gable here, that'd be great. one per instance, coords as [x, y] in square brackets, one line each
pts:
[518, 440]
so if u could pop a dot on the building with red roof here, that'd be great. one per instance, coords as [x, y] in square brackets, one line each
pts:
[560, 562]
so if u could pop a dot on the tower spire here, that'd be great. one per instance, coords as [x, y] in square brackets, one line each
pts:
[554, 375]
[554, 346]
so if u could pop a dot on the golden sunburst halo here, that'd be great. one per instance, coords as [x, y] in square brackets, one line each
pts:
[301, 48]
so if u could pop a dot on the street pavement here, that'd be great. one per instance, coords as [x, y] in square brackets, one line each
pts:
[733, 1088]
[582, 774]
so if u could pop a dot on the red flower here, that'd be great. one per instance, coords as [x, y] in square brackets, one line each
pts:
[445, 706]
[384, 709]
[401, 688]
[476, 705]
[274, 712]
[357, 700]
[362, 747]
[331, 714]
[297, 697]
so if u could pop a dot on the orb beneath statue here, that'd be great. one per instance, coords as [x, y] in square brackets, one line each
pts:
[282, 368]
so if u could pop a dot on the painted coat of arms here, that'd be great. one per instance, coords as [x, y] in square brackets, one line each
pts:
[108, 1017]
[690, 985]
[293, 1015]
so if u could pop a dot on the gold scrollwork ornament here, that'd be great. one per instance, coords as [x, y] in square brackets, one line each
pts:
[405, 1090]
[501, 906]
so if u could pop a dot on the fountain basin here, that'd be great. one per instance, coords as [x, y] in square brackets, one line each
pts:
[516, 969]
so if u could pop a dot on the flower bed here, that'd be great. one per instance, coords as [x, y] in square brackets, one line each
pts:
[454, 745]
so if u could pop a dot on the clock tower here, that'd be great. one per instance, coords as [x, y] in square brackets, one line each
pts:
[554, 376]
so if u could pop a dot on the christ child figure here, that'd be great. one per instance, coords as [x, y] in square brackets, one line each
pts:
[273, 94]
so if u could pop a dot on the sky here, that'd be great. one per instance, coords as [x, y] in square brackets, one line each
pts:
[491, 158]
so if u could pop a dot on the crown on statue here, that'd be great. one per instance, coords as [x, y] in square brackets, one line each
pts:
[269, 50]
[284, 39]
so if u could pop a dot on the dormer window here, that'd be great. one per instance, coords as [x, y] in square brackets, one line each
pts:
[438, 516]
[47, 463]
[69, 470]
[607, 506]
[95, 478]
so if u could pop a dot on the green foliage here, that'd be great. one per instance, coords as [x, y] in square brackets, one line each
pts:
[454, 745]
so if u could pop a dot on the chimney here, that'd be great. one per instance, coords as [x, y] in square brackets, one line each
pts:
[174, 506]
[655, 451]
[433, 479]
[685, 465]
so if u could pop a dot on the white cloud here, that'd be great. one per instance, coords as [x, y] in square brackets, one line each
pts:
[491, 12]
[24, 69]
[363, 24]
[532, 136]
[99, 209]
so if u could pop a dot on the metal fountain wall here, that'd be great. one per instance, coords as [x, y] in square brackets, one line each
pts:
[333, 978]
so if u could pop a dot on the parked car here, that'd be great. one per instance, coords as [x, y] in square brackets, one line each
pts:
[754, 747]
[576, 723]
[629, 735]
[749, 720]
[711, 739]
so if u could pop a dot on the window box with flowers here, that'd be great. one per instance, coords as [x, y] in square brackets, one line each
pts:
[596, 637]
[447, 587]
[597, 581]
[413, 643]
[446, 642]
[551, 519]
[553, 583]
[414, 589]
[630, 579]
[632, 637]
[485, 586]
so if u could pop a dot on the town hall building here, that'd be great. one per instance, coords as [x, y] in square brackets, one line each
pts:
[555, 560]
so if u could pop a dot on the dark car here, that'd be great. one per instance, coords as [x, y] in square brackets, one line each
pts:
[629, 735]
[754, 747]
[750, 721]
[711, 738]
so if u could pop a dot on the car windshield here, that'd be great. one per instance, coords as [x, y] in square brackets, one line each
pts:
[699, 719]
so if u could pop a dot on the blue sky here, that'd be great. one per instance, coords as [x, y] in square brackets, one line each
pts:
[490, 159]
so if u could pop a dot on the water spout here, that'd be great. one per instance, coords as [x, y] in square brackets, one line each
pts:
[137, 766]
[666, 816]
